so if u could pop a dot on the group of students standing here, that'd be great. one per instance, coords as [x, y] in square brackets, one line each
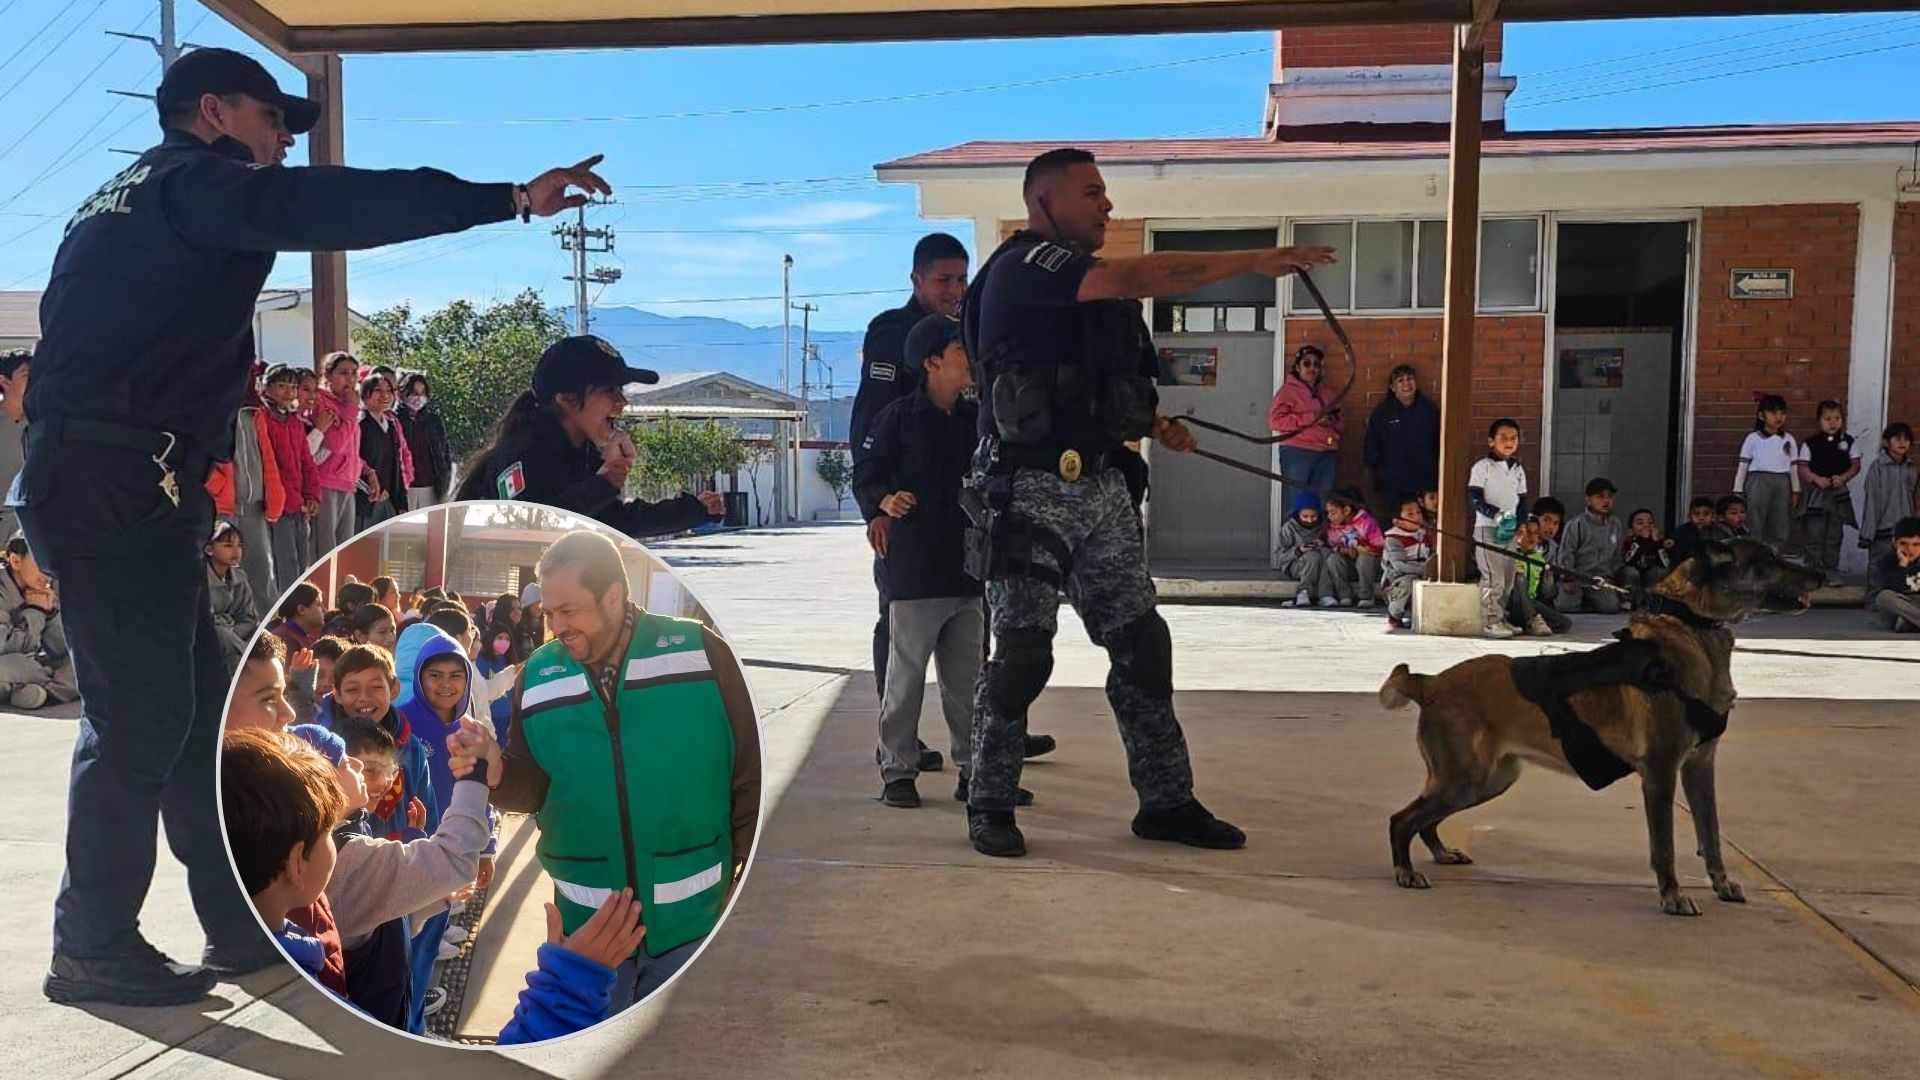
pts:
[321, 455]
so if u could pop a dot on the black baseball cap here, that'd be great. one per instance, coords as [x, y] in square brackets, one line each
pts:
[223, 71]
[585, 361]
[1599, 485]
[929, 337]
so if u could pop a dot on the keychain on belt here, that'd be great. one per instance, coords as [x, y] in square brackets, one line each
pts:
[169, 486]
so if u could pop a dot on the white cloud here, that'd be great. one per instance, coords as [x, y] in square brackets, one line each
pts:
[817, 215]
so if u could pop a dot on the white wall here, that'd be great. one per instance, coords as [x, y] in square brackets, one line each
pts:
[815, 495]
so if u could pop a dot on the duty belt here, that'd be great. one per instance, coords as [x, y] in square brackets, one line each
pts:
[172, 454]
[1069, 463]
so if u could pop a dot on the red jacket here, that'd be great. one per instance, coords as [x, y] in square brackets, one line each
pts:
[287, 433]
[1296, 404]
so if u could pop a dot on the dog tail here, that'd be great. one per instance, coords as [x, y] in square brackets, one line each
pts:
[1403, 688]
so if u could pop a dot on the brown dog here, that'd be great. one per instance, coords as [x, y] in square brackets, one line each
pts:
[1476, 728]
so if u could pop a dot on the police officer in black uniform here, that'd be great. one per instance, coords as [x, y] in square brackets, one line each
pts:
[939, 283]
[1067, 368]
[143, 365]
[560, 443]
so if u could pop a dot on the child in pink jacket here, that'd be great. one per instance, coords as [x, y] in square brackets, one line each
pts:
[1355, 543]
[336, 416]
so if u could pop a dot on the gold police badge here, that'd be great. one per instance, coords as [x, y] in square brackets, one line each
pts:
[1070, 466]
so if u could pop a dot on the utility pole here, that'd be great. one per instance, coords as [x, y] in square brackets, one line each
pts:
[582, 241]
[806, 355]
[165, 46]
[787, 480]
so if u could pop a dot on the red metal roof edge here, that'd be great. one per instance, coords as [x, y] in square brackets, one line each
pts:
[1360, 141]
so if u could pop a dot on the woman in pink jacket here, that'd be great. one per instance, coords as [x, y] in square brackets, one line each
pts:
[1300, 408]
[336, 416]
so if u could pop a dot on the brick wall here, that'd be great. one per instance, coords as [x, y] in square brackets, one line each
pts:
[1509, 352]
[1798, 348]
[1903, 384]
[1374, 46]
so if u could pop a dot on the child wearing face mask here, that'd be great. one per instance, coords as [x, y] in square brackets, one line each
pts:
[497, 672]
[426, 439]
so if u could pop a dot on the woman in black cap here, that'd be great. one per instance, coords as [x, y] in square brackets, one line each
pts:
[560, 443]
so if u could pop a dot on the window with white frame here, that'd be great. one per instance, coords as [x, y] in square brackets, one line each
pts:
[1401, 265]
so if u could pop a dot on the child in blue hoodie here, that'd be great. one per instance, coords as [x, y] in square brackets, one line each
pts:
[1301, 551]
[437, 680]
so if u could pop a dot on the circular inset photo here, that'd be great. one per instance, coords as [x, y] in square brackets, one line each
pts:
[489, 774]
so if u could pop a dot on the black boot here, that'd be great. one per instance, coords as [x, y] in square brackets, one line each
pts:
[1190, 824]
[1040, 746]
[994, 833]
[136, 975]
[234, 959]
[900, 794]
[1021, 796]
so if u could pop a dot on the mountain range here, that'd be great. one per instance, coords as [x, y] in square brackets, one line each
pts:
[669, 344]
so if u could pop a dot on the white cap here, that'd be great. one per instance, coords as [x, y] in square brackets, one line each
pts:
[530, 594]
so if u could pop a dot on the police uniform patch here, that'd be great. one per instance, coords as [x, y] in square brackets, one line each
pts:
[1049, 257]
[881, 371]
[511, 481]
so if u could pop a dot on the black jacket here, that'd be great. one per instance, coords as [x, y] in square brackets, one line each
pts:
[147, 319]
[379, 451]
[427, 439]
[544, 467]
[884, 376]
[1403, 446]
[915, 447]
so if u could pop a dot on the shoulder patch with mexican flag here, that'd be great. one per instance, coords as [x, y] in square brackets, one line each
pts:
[511, 481]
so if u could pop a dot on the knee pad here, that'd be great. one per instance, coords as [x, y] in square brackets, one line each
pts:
[1022, 663]
[1142, 654]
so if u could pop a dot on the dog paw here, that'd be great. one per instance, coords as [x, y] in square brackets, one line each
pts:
[1452, 857]
[1409, 878]
[1679, 905]
[1729, 891]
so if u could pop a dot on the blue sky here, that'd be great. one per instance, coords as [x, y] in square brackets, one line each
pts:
[710, 201]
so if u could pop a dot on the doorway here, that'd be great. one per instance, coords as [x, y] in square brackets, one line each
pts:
[1620, 332]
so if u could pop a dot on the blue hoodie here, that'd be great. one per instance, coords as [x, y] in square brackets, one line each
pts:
[1308, 499]
[419, 645]
[565, 994]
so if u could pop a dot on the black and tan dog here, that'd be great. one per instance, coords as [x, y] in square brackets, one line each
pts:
[1476, 727]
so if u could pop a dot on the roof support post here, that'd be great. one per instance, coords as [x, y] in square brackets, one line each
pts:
[326, 145]
[1463, 264]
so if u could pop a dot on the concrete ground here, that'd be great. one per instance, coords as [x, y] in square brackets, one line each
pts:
[874, 942]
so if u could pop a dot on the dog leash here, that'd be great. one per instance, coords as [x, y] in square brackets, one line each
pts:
[1353, 372]
[1591, 581]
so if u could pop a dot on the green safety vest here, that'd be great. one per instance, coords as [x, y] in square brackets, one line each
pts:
[660, 821]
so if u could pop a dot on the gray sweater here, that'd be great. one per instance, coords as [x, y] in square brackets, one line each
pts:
[1888, 494]
[1591, 545]
[377, 881]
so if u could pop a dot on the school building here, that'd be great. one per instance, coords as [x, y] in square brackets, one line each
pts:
[1637, 286]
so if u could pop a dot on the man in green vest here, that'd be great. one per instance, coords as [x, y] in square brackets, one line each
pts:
[665, 701]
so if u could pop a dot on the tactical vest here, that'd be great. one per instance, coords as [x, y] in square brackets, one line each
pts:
[661, 822]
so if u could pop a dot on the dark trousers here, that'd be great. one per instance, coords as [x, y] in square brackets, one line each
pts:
[133, 593]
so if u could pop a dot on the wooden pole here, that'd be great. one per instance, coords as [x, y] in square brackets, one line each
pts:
[326, 145]
[1457, 441]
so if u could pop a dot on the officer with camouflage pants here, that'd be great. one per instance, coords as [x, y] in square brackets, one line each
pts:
[1066, 367]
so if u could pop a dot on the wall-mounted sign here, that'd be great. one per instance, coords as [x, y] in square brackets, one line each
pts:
[1762, 285]
[1592, 369]
[1187, 366]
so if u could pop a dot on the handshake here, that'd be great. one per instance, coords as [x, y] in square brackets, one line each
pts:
[471, 744]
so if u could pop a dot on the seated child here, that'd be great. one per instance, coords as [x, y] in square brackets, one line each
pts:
[1729, 519]
[236, 614]
[280, 802]
[1530, 603]
[1645, 556]
[1408, 547]
[1895, 579]
[1354, 546]
[35, 666]
[1590, 547]
[1684, 542]
[1888, 493]
[1301, 552]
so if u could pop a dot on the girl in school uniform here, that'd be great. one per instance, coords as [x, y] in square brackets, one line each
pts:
[1766, 475]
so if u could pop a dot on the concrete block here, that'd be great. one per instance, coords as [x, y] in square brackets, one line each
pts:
[1446, 609]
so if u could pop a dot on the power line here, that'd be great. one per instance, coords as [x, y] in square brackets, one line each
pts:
[1717, 75]
[47, 54]
[803, 106]
[1635, 56]
[69, 95]
[35, 36]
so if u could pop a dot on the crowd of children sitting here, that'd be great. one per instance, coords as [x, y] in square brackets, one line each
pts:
[1537, 564]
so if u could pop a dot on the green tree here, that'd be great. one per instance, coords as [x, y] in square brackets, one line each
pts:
[676, 455]
[476, 359]
[836, 470]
